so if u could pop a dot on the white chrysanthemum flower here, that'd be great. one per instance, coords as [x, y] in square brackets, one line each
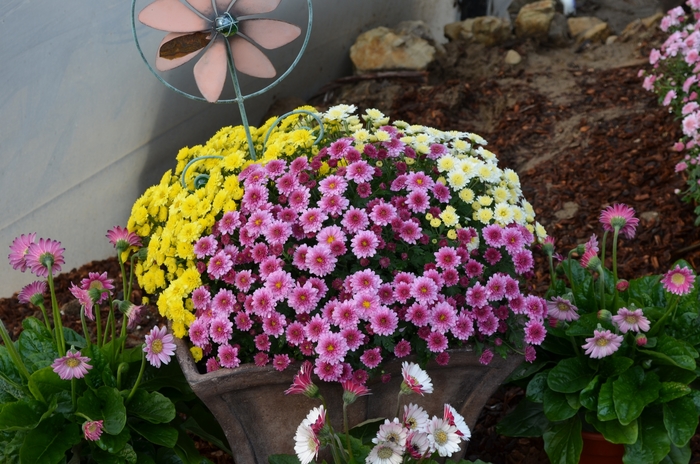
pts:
[399, 124]
[415, 418]
[467, 195]
[540, 231]
[518, 215]
[446, 163]
[361, 135]
[436, 134]
[407, 139]
[456, 179]
[473, 244]
[486, 154]
[477, 139]
[422, 148]
[484, 200]
[456, 419]
[385, 453]
[339, 112]
[415, 379]
[503, 213]
[462, 146]
[449, 217]
[511, 177]
[500, 194]
[391, 432]
[374, 114]
[382, 135]
[443, 437]
[484, 215]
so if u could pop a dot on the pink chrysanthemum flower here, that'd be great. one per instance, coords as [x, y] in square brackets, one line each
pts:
[344, 315]
[299, 199]
[419, 181]
[312, 219]
[280, 362]
[441, 192]
[18, 251]
[410, 232]
[418, 201]
[473, 268]
[316, 327]
[415, 379]
[492, 256]
[213, 365]
[534, 332]
[201, 298]
[199, 333]
[44, 255]
[331, 347]
[679, 280]
[562, 309]
[295, 333]
[219, 265]
[418, 315]
[223, 302]
[384, 321]
[628, 320]
[261, 359]
[496, 287]
[620, 216]
[205, 246]
[159, 347]
[424, 290]
[372, 357]
[437, 342]
[121, 238]
[243, 280]
[602, 344]
[486, 357]
[513, 239]
[383, 213]
[262, 342]
[402, 349]
[220, 329]
[447, 258]
[33, 293]
[488, 324]
[530, 353]
[228, 356]
[328, 372]
[71, 366]
[523, 261]
[364, 244]
[274, 324]
[360, 171]
[463, 327]
[333, 185]
[476, 296]
[303, 298]
[493, 235]
[92, 430]
[277, 232]
[320, 260]
[443, 317]
[229, 222]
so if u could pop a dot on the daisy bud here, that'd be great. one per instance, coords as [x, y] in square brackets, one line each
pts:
[646, 364]
[604, 315]
[622, 285]
[641, 339]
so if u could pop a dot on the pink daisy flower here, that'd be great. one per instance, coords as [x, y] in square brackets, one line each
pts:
[463, 327]
[372, 357]
[295, 333]
[366, 304]
[450, 277]
[71, 366]
[223, 302]
[628, 320]
[92, 430]
[419, 181]
[101, 284]
[274, 324]
[34, 293]
[316, 327]
[159, 346]
[355, 220]
[415, 379]
[199, 333]
[18, 251]
[384, 321]
[220, 330]
[303, 298]
[383, 213]
[534, 332]
[287, 215]
[620, 216]
[602, 344]
[562, 309]
[410, 232]
[205, 246]
[523, 261]
[447, 258]
[328, 372]
[299, 199]
[45, 255]
[679, 280]
[331, 347]
[320, 260]
[121, 238]
[364, 244]
[228, 356]
[302, 383]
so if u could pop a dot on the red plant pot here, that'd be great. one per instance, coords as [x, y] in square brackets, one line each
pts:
[597, 450]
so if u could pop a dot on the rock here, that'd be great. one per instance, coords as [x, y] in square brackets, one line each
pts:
[512, 57]
[611, 40]
[568, 211]
[596, 34]
[639, 26]
[558, 34]
[534, 19]
[490, 30]
[460, 30]
[653, 20]
[416, 28]
[581, 24]
[649, 216]
[383, 48]
[452, 30]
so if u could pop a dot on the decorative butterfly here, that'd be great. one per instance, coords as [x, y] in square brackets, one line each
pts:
[197, 25]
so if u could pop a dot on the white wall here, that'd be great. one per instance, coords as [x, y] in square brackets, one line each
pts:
[85, 128]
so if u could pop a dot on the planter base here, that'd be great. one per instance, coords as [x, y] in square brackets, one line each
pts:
[259, 420]
[597, 450]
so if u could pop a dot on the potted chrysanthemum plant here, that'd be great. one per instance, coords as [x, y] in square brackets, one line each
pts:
[620, 358]
[71, 397]
[351, 241]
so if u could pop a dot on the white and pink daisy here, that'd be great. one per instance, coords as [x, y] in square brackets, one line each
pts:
[159, 346]
[443, 437]
[628, 320]
[391, 432]
[602, 344]
[679, 280]
[71, 366]
[92, 430]
[619, 216]
[562, 309]
[415, 379]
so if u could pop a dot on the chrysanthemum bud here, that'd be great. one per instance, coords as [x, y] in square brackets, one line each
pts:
[641, 339]
[604, 315]
[622, 285]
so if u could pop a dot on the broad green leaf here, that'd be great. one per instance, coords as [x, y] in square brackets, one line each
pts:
[160, 434]
[73, 338]
[114, 443]
[687, 327]
[526, 420]
[536, 387]
[153, 407]
[169, 456]
[169, 375]
[647, 291]
[674, 374]
[99, 364]
[589, 395]
[606, 406]
[201, 422]
[367, 430]
[671, 390]
[24, 414]
[187, 450]
[526, 370]
[613, 430]
[563, 442]
[104, 457]
[585, 325]
[612, 366]
[573, 400]
[10, 443]
[556, 408]
[36, 349]
[106, 404]
[673, 352]
[570, 375]
[652, 443]
[681, 420]
[10, 379]
[678, 455]
[45, 383]
[49, 441]
[633, 391]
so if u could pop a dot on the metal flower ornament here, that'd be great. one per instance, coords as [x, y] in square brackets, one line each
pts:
[226, 35]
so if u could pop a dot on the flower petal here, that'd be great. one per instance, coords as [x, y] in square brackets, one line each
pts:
[164, 64]
[250, 60]
[249, 7]
[204, 6]
[269, 33]
[210, 71]
[172, 16]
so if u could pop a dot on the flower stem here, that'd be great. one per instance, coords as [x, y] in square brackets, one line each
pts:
[347, 430]
[85, 328]
[73, 394]
[551, 270]
[57, 325]
[123, 367]
[138, 379]
[125, 288]
[661, 322]
[614, 264]
[12, 350]
[46, 320]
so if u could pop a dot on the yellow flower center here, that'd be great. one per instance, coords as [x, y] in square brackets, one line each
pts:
[72, 362]
[384, 453]
[440, 437]
[563, 307]
[330, 348]
[601, 342]
[678, 279]
[630, 319]
[157, 345]
[366, 304]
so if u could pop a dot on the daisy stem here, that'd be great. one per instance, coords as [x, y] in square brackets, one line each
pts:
[73, 394]
[661, 322]
[46, 320]
[98, 323]
[138, 379]
[239, 99]
[85, 328]
[57, 325]
[123, 367]
[614, 264]
[347, 430]
[601, 271]
[572, 281]
[125, 288]
[131, 274]
[12, 350]
[551, 270]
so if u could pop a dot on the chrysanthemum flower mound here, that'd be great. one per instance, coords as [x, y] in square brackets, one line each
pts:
[338, 251]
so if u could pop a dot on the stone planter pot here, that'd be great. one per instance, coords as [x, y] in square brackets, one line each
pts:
[597, 450]
[259, 420]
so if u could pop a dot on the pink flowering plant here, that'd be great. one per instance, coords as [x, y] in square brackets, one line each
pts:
[89, 398]
[675, 78]
[410, 437]
[350, 241]
[619, 358]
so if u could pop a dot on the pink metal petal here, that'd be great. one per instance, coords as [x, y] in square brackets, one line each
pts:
[210, 71]
[204, 7]
[249, 7]
[163, 64]
[249, 59]
[172, 16]
[269, 33]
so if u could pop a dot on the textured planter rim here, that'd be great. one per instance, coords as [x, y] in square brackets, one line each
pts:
[216, 388]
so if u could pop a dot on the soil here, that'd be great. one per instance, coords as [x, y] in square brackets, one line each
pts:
[581, 132]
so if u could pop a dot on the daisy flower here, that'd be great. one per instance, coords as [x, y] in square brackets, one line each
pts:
[306, 439]
[228, 356]
[391, 432]
[619, 216]
[443, 437]
[385, 453]
[18, 251]
[364, 244]
[415, 379]
[159, 347]
[353, 390]
[92, 430]
[71, 366]
[628, 320]
[121, 238]
[45, 255]
[331, 347]
[602, 344]
[562, 309]
[302, 383]
[415, 418]
[418, 444]
[101, 283]
[33, 293]
[384, 321]
[451, 415]
[679, 280]
[371, 358]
